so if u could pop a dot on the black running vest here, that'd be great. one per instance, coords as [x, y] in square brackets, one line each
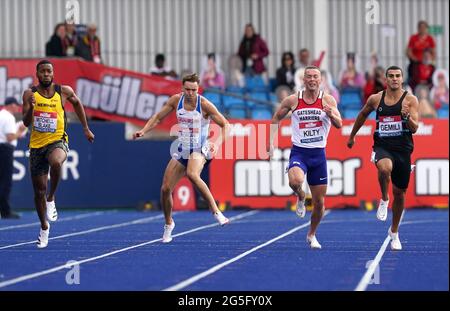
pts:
[392, 131]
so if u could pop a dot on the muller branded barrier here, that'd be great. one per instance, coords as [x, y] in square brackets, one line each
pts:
[245, 177]
[116, 172]
[107, 92]
[111, 172]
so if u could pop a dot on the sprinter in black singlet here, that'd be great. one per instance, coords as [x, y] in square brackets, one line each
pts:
[397, 119]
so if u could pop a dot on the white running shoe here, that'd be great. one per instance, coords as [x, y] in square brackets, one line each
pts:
[167, 236]
[313, 243]
[52, 214]
[395, 241]
[221, 219]
[43, 237]
[301, 208]
[382, 211]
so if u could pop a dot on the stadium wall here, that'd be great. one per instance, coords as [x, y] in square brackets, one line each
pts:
[115, 172]
[133, 31]
[111, 172]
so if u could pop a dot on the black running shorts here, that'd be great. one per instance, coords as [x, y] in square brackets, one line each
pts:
[401, 164]
[39, 157]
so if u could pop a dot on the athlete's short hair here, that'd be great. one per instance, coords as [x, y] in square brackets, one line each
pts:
[422, 22]
[193, 77]
[43, 62]
[313, 67]
[394, 68]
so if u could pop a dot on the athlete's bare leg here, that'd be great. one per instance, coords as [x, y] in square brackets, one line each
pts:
[55, 159]
[40, 190]
[318, 197]
[384, 167]
[397, 207]
[174, 171]
[296, 179]
[194, 169]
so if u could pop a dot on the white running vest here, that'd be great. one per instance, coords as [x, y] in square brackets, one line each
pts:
[193, 127]
[310, 124]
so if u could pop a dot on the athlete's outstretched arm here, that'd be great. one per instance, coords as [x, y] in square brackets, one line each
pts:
[361, 118]
[220, 120]
[70, 95]
[28, 106]
[158, 117]
[410, 111]
[281, 112]
[330, 108]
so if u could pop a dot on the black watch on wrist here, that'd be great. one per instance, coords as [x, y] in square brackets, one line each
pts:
[406, 117]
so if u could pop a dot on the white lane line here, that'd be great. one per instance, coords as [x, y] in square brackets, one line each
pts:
[73, 263]
[365, 280]
[119, 225]
[84, 215]
[422, 221]
[210, 271]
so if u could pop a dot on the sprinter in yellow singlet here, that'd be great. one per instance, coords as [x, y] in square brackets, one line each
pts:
[43, 111]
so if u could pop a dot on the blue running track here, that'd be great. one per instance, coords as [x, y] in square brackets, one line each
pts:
[259, 250]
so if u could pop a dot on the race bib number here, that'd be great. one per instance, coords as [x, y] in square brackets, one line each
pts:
[311, 132]
[390, 126]
[45, 122]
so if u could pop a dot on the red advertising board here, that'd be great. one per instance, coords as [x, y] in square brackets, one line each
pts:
[184, 196]
[242, 175]
[106, 92]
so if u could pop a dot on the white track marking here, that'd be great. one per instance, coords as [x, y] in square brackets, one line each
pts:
[124, 224]
[216, 268]
[365, 280]
[73, 263]
[84, 215]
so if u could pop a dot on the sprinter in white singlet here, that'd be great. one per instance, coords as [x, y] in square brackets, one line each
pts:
[313, 113]
[192, 149]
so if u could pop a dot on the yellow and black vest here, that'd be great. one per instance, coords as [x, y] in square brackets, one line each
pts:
[49, 119]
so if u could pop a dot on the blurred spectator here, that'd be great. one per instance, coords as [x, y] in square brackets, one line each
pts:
[298, 78]
[235, 76]
[212, 75]
[304, 58]
[328, 86]
[439, 94]
[426, 110]
[417, 44]
[56, 45]
[425, 70]
[350, 77]
[70, 39]
[160, 69]
[88, 46]
[252, 50]
[376, 82]
[285, 76]
[9, 133]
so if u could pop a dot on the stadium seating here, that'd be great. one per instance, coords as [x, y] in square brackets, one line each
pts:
[237, 112]
[261, 113]
[235, 89]
[273, 98]
[350, 100]
[229, 101]
[443, 112]
[215, 98]
[350, 113]
[256, 84]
